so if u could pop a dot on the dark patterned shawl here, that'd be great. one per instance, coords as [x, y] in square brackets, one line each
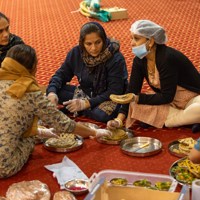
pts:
[97, 64]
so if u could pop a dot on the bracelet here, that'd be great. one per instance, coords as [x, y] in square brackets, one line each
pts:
[136, 99]
[119, 121]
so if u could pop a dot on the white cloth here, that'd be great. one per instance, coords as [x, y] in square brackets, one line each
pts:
[65, 171]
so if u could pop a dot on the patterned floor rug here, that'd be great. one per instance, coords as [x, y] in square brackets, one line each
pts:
[52, 28]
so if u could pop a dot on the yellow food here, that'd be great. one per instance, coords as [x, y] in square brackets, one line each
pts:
[165, 185]
[186, 171]
[185, 145]
[119, 181]
[193, 168]
[63, 141]
[122, 99]
[117, 135]
[142, 183]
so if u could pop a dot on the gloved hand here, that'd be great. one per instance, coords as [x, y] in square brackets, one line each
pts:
[46, 133]
[113, 124]
[53, 98]
[75, 105]
[103, 132]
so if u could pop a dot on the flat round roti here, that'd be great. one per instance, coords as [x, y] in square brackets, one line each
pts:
[122, 99]
[117, 135]
[65, 140]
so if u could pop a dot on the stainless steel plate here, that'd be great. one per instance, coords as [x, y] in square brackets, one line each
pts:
[132, 146]
[79, 140]
[102, 140]
[174, 148]
[172, 174]
[77, 186]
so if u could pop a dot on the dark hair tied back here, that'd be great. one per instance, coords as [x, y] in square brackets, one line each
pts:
[24, 54]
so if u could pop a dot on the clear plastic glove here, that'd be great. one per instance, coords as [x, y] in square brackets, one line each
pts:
[53, 98]
[113, 124]
[75, 105]
[103, 132]
[46, 133]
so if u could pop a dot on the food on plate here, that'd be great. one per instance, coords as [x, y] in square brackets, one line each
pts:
[185, 145]
[119, 181]
[163, 185]
[187, 141]
[122, 99]
[142, 183]
[193, 168]
[63, 141]
[185, 171]
[176, 151]
[28, 190]
[63, 195]
[177, 169]
[117, 135]
[185, 177]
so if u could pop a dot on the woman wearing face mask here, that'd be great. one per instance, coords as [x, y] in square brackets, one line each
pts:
[101, 70]
[175, 100]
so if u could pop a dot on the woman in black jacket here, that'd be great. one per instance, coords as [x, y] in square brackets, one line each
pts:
[7, 39]
[100, 69]
[175, 82]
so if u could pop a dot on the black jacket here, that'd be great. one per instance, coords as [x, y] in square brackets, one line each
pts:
[115, 76]
[13, 40]
[174, 68]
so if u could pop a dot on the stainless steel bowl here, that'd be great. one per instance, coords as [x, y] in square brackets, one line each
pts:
[136, 146]
[77, 186]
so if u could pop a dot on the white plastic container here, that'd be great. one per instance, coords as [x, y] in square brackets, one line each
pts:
[130, 177]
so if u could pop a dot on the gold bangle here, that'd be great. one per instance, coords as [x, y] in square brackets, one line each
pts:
[120, 122]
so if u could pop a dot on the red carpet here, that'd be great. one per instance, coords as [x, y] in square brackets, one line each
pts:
[52, 28]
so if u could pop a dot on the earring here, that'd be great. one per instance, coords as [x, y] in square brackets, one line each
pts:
[150, 47]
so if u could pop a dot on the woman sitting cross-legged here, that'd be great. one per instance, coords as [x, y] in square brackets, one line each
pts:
[175, 100]
[101, 71]
[22, 104]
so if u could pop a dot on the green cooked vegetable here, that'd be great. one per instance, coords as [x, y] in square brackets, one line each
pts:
[119, 181]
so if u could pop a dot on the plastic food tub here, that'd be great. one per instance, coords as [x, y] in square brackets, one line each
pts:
[130, 177]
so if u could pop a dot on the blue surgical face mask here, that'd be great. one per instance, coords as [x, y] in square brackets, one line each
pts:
[140, 51]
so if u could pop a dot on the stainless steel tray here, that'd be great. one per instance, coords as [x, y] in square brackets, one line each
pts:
[131, 177]
[173, 146]
[173, 175]
[102, 140]
[132, 146]
[66, 150]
